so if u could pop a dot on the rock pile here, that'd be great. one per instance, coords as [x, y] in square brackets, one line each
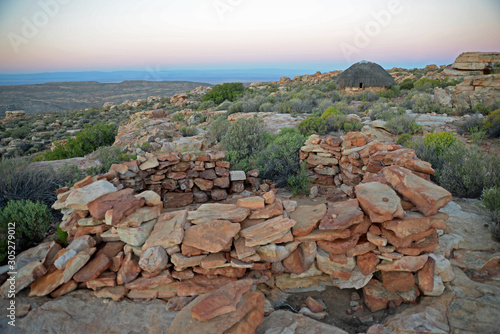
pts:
[121, 244]
[346, 161]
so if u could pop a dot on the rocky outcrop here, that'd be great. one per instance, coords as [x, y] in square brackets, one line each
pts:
[476, 61]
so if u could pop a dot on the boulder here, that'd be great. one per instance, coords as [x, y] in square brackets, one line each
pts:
[377, 297]
[222, 301]
[80, 198]
[168, 230]
[341, 215]
[267, 231]
[212, 236]
[23, 278]
[379, 201]
[425, 195]
[406, 263]
[140, 216]
[93, 269]
[154, 259]
[288, 322]
[307, 218]
[136, 236]
[213, 211]
[248, 315]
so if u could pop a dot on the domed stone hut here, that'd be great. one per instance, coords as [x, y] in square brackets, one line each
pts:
[364, 76]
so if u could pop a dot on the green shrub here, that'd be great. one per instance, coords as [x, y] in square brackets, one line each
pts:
[267, 107]
[405, 140]
[62, 236]
[188, 131]
[390, 93]
[492, 124]
[440, 141]
[464, 126]
[482, 109]
[18, 181]
[84, 142]
[331, 111]
[178, 117]
[298, 184]
[219, 127]
[312, 125]
[280, 159]
[206, 105]
[404, 124]
[20, 133]
[244, 138]
[424, 84]
[335, 123]
[465, 172]
[477, 135]
[32, 219]
[407, 84]
[108, 156]
[224, 105]
[227, 91]
[491, 202]
[423, 104]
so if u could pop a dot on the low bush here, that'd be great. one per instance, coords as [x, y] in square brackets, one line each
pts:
[407, 84]
[224, 105]
[465, 172]
[384, 112]
[206, 105]
[32, 220]
[19, 181]
[84, 142]
[405, 140]
[424, 104]
[107, 156]
[440, 141]
[492, 124]
[298, 184]
[465, 125]
[219, 127]
[404, 124]
[425, 84]
[390, 93]
[244, 138]
[178, 117]
[188, 131]
[313, 125]
[335, 123]
[227, 91]
[330, 112]
[267, 107]
[491, 202]
[280, 159]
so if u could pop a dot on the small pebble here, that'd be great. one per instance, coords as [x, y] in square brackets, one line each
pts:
[354, 303]
[392, 308]
[355, 296]
[366, 319]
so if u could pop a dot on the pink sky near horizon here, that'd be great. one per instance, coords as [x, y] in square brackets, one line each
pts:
[126, 34]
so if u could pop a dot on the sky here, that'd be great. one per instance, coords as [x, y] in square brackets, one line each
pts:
[96, 35]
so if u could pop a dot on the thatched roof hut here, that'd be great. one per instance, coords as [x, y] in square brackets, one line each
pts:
[365, 75]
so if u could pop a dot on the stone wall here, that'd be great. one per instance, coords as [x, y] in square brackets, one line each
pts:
[181, 179]
[346, 161]
[123, 244]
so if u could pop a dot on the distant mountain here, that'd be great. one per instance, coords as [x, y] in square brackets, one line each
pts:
[210, 76]
[78, 95]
